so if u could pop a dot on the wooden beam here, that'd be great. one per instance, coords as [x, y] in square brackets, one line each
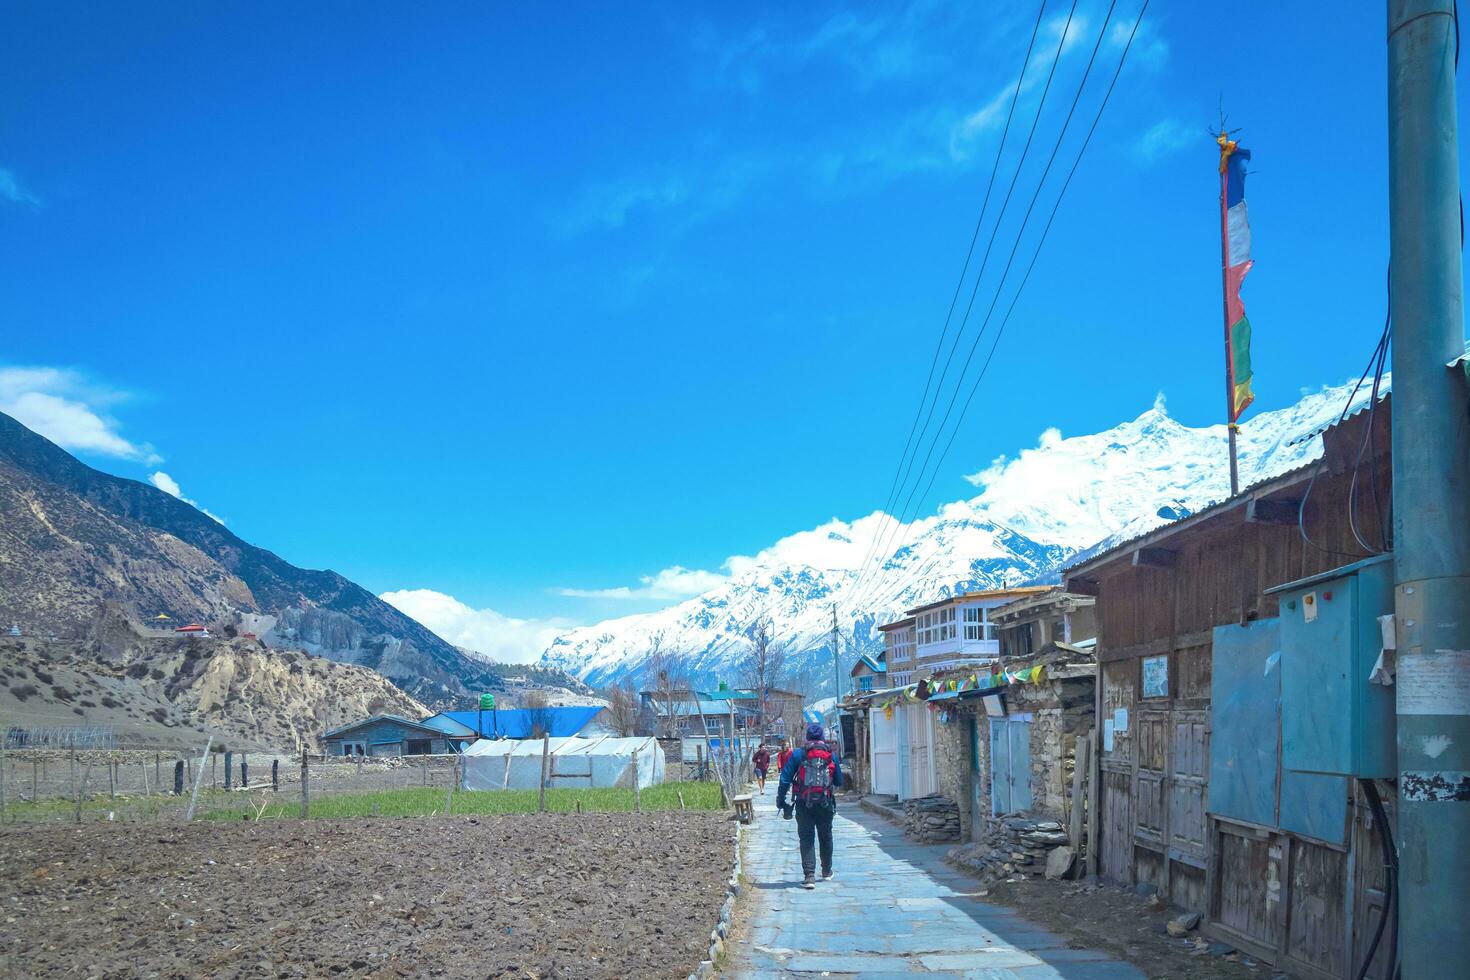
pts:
[1082, 586]
[1155, 558]
[1260, 511]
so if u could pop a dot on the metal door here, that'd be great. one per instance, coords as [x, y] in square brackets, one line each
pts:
[884, 738]
[1019, 730]
[1010, 765]
[1000, 767]
[901, 722]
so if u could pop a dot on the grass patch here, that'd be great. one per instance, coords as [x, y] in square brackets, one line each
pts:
[421, 802]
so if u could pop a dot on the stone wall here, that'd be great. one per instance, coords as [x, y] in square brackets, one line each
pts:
[1061, 712]
[931, 820]
[952, 763]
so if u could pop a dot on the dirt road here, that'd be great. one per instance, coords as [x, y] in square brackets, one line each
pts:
[591, 895]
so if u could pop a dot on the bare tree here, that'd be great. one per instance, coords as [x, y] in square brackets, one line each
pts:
[623, 708]
[764, 666]
[538, 708]
[665, 674]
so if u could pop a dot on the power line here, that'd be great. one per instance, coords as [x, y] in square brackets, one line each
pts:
[893, 489]
[1040, 242]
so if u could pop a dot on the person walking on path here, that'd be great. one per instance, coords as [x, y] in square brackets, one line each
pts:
[782, 756]
[762, 762]
[811, 775]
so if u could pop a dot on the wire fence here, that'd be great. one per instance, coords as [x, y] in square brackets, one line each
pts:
[138, 785]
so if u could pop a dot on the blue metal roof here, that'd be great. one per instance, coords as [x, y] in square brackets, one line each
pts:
[518, 722]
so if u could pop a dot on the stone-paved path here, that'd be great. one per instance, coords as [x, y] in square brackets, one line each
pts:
[894, 909]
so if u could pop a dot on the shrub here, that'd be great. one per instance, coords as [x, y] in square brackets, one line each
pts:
[108, 701]
[137, 671]
[60, 693]
[23, 691]
[42, 676]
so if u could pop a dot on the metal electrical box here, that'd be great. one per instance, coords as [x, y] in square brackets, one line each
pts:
[1333, 718]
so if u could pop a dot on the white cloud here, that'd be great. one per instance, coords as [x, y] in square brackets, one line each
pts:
[12, 191]
[500, 637]
[170, 486]
[67, 408]
[677, 582]
[1165, 137]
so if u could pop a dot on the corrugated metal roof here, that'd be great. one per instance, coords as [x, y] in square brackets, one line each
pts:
[1274, 483]
[1306, 436]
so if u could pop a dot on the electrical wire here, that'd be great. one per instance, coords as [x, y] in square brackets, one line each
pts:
[1040, 243]
[906, 460]
[1015, 178]
[1374, 366]
[964, 269]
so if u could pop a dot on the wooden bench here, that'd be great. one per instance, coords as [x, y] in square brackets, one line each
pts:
[744, 808]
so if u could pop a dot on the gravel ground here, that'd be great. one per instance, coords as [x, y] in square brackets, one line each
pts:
[592, 895]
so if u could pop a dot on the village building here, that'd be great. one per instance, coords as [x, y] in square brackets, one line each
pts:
[1008, 735]
[385, 736]
[869, 674]
[1225, 707]
[956, 633]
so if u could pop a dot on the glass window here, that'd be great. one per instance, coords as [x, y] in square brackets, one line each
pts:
[865, 683]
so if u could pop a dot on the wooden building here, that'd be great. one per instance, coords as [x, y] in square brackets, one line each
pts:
[1194, 799]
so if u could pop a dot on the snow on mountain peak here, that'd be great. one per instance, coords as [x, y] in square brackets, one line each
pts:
[1032, 513]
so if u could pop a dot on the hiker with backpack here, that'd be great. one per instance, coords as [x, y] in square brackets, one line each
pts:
[811, 775]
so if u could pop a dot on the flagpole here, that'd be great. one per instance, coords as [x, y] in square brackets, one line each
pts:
[1230, 425]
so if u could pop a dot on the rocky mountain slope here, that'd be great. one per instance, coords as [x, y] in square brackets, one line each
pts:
[71, 536]
[1033, 513]
[158, 689]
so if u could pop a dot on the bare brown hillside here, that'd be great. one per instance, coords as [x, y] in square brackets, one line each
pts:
[157, 689]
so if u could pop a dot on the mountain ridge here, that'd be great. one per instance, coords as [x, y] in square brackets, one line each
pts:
[71, 535]
[1034, 512]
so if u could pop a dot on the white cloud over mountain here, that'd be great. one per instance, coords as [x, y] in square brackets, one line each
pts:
[498, 637]
[70, 410]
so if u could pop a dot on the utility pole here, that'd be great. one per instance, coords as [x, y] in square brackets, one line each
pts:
[1431, 491]
[836, 677]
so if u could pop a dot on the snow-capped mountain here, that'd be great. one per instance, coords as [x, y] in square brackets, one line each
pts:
[1032, 514]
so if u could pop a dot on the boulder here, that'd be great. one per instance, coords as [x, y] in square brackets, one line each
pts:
[1059, 862]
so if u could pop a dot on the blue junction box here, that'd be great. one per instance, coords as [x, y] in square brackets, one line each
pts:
[1333, 719]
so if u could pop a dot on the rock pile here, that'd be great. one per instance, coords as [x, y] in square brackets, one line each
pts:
[931, 819]
[1014, 845]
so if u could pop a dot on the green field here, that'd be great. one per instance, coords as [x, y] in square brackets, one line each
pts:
[416, 802]
[422, 802]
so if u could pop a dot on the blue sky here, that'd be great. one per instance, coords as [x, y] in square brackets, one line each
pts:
[522, 305]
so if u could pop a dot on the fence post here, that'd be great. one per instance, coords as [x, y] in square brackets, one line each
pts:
[111, 779]
[449, 794]
[35, 767]
[194, 798]
[637, 799]
[157, 769]
[179, 778]
[244, 770]
[305, 789]
[2, 779]
[275, 775]
[545, 760]
[213, 770]
[229, 766]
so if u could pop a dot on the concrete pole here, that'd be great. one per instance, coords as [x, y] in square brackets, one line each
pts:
[1431, 491]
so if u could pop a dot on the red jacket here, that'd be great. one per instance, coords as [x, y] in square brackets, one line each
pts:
[762, 759]
[781, 758]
